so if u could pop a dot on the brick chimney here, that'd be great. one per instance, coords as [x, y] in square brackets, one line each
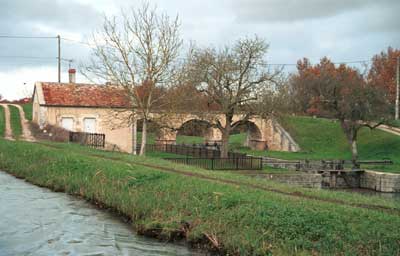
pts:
[71, 73]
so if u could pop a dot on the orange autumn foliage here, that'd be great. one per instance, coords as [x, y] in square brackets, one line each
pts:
[383, 72]
[307, 82]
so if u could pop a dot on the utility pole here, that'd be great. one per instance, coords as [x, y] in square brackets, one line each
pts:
[59, 58]
[397, 88]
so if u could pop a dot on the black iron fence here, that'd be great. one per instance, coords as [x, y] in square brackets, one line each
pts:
[204, 157]
[242, 163]
[96, 140]
[195, 150]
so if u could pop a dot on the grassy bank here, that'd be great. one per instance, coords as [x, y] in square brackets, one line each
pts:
[154, 159]
[324, 139]
[235, 218]
[2, 122]
[28, 110]
[15, 121]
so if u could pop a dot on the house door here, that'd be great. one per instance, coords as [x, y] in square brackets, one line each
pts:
[89, 125]
[67, 123]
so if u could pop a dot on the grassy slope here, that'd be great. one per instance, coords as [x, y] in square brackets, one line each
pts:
[155, 160]
[324, 139]
[2, 122]
[244, 221]
[28, 110]
[15, 121]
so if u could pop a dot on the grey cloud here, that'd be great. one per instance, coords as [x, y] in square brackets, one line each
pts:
[27, 17]
[296, 10]
[57, 13]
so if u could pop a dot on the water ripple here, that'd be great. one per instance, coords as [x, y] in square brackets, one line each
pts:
[36, 221]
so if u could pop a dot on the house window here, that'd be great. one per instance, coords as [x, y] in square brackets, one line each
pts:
[89, 125]
[67, 123]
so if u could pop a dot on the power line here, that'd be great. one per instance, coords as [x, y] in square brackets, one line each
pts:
[34, 57]
[27, 57]
[267, 64]
[93, 46]
[28, 37]
[78, 42]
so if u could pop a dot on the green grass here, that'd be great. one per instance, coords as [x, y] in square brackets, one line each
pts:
[395, 123]
[242, 220]
[324, 139]
[2, 122]
[15, 121]
[183, 139]
[28, 110]
[180, 139]
[235, 139]
[156, 160]
[161, 155]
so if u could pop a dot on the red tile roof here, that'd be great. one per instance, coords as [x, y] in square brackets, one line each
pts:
[83, 95]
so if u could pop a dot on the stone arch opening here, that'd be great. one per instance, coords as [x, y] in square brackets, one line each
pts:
[191, 130]
[253, 137]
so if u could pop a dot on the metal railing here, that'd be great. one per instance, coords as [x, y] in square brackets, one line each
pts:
[96, 140]
[243, 163]
[196, 150]
[204, 157]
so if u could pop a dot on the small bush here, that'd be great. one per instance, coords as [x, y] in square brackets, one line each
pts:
[50, 132]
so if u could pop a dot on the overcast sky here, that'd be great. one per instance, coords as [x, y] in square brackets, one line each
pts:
[344, 30]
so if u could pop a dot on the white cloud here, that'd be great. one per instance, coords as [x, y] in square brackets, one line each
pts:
[18, 83]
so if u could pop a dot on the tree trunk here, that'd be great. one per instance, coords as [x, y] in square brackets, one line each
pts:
[354, 153]
[225, 145]
[144, 138]
[225, 140]
[134, 139]
[350, 130]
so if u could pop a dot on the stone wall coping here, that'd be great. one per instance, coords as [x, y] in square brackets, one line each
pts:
[383, 173]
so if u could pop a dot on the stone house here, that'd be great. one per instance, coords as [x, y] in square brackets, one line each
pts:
[104, 109]
[84, 108]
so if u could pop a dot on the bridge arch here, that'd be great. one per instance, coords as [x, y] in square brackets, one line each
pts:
[254, 135]
[201, 128]
[261, 133]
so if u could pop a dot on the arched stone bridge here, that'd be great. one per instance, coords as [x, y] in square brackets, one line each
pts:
[261, 133]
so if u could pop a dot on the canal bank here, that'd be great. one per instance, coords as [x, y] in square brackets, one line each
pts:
[223, 212]
[37, 221]
[362, 179]
[329, 174]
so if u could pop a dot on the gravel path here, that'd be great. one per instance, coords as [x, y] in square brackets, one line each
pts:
[390, 129]
[8, 131]
[26, 132]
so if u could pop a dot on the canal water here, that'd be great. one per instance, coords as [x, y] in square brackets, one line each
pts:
[37, 221]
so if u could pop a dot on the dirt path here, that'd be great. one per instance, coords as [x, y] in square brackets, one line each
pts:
[26, 132]
[8, 132]
[390, 129]
[241, 183]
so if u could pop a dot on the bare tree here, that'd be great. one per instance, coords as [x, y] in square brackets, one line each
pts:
[232, 79]
[138, 52]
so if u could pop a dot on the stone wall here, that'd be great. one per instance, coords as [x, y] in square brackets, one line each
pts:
[380, 181]
[341, 179]
[298, 179]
